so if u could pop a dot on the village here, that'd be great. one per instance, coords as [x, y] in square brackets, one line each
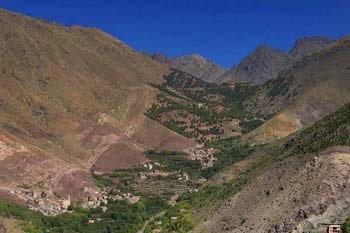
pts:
[149, 179]
[204, 155]
[51, 204]
[153, 172]
[44, 201]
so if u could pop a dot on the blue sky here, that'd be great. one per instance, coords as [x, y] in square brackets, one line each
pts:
[222, 30]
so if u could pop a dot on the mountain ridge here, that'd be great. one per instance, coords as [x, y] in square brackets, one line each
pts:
[193, 64]
[265, 63]
[258, 67]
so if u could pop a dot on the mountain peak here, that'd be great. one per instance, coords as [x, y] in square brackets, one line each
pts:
[193, 64]
[6, 12]
[265, 50]
[195, 56]
[264, 47]
[266, 62]
[305, 45]
[261, 65]
[312, 39]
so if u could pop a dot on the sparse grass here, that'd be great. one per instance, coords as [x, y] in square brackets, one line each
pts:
[346, 226]
[280, 85]
[332, 130]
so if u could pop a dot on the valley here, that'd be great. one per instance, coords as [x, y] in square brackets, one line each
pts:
[98, 137]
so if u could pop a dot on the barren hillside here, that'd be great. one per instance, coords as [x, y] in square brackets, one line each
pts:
[69, 97]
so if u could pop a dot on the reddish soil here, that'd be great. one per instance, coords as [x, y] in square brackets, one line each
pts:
[4, 194]
[157, 136]
[119, 156]
[73, 183]
[17, 168]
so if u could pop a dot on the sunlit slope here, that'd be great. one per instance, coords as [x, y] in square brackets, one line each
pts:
[67, 95]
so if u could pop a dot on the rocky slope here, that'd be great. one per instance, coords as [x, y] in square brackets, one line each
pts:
[258, 67]
[193, 64]
[71, 99]
[295, 185]
[295, 195]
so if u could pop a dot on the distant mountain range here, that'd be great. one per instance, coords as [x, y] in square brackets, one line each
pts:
[262, 64]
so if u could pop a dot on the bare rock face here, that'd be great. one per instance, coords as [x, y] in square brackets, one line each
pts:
[306, 45]
[261, 65]
[193, 64]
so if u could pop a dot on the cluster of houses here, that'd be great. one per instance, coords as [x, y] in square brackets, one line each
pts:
[45, 202]
[129, 197]
[204, 155]
[158, 172]
[50, 204]
[93, 201]
[101, 198]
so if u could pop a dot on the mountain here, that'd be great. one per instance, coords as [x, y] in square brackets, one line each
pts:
[265, 63]
[193, 64]
[72, 102]
[312, 88]
[295, 185]
[201, 110]
[258, 67]
[307, 45]
[141, 146]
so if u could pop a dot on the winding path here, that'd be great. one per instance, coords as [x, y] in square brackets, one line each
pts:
[160, 214]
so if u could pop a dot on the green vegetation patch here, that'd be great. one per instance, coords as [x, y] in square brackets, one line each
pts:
[280, 85]
[333, 130]
[346, 226]
[229, 151]
[173, 161]
[250, 125]
[120, 217]
[204, 106]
